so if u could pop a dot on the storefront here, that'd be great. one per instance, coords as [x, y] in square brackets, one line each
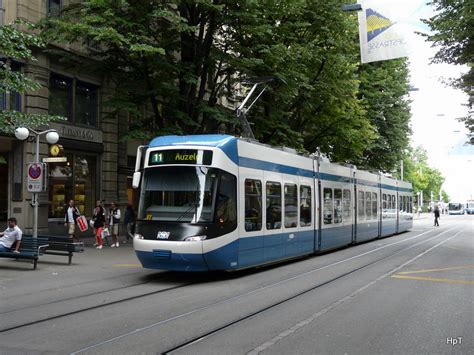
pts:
[77, 177]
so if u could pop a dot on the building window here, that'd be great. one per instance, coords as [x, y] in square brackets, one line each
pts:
[86, 104]
[74, 180]
[54, 7]
[60, 96]
[2, 10]
[73, 99]
[10, 101]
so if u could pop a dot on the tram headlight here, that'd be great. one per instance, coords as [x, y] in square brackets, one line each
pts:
[195, 238]
[138, 236]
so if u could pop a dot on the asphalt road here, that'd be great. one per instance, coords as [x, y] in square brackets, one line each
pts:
[408, 294]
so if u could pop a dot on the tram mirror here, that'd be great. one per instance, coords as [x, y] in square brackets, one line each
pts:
[136, 179]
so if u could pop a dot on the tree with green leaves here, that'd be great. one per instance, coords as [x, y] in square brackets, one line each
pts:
[174, 64]
[16, 44]
[453, 33]
[423, 177]
[383, 91]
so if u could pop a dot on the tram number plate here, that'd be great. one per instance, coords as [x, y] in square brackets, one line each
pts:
[163, 235]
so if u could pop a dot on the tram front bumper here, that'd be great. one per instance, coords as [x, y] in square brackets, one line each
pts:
[169, 255]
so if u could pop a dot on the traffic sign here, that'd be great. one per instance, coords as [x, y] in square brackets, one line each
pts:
[36, 174]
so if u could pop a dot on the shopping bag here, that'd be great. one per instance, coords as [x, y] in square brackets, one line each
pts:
[105, 233]
[82, 223]
[91, 223]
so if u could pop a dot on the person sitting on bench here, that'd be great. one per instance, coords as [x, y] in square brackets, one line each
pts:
[11, 235]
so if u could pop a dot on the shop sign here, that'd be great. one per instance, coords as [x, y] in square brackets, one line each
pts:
[55, 160]
[78, 133]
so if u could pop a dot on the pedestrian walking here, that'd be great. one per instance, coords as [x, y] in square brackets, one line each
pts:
[114, 220]
[98, 218]
[436, 216]
[11, 235]
[71, 213]
[129, 221]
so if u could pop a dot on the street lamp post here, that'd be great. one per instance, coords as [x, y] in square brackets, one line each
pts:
[52, 137]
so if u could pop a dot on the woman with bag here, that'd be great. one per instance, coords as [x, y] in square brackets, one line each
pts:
[99, 220]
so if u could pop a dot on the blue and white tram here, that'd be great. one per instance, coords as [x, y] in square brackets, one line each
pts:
[216, 202]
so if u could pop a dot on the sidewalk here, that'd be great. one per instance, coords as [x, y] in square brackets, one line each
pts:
[17, 277]
[92, 277]
[421, 215]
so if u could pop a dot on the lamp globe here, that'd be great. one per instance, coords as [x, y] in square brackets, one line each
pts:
[52, 137]
[22, 133]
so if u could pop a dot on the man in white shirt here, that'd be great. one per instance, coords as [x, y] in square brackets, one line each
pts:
[11, 235]
[71, 213]
[114, 220]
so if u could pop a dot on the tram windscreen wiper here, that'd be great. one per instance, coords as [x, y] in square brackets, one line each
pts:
[191, 208]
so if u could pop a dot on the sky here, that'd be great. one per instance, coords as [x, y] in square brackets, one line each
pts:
[435, 105]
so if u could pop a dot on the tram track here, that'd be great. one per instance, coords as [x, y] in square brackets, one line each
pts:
[86, 309]
[276, 304]
[74, 298]
[311, 289]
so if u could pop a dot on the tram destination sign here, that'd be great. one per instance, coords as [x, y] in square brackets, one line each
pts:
[181, 157]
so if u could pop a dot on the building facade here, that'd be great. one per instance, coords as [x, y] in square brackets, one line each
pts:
[95, 165]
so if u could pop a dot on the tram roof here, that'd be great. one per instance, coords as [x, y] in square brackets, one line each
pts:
[209, 140]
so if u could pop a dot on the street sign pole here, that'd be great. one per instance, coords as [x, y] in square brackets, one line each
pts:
[38, 170]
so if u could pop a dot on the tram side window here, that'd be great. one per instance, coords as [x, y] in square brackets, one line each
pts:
[273, 194]
[328, 206]
[384, 206]
[337, 206]
[394, 206]
[226, 202]
[410, 205]
[368, 206]
[346, 205]
[374, 205]
[305, 206]
[400, 203]
[291, 206]
[253, 205]
[361, 205]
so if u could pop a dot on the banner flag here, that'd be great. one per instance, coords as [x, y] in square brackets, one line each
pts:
[387, 28]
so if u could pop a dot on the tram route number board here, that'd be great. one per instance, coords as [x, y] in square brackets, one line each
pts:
[37, 173]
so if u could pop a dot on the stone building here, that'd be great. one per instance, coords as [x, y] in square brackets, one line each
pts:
[96, 165]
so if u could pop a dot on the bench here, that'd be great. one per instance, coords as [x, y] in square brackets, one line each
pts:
[30, 248]
[63, 246]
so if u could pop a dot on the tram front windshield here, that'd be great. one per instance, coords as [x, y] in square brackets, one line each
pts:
[454, 206]
[184, 194]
